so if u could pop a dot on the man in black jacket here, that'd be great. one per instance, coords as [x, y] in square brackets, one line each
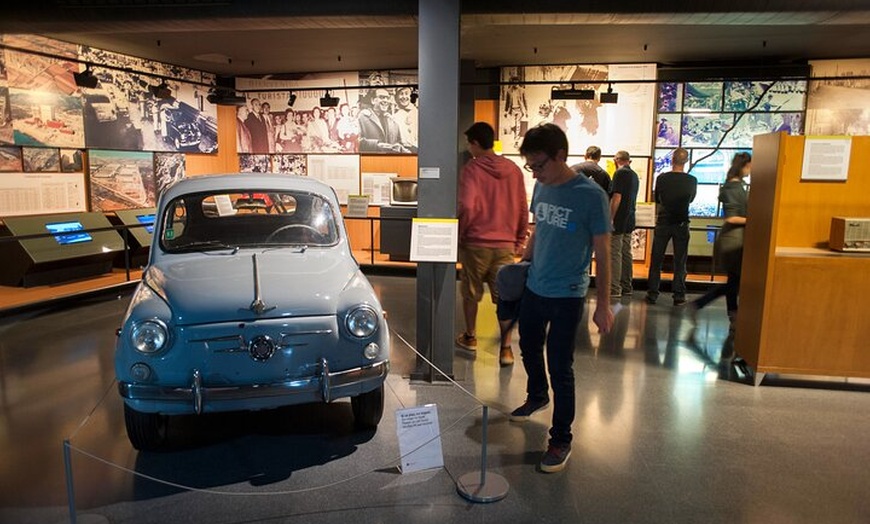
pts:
[674, 191]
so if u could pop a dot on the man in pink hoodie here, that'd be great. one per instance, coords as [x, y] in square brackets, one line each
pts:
[493, 226]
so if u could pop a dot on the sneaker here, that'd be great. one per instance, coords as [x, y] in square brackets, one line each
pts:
[522, 413]
[679, 301]
[693, 313]
[506, 356]
[651, 299]
[627, 294]
[467, 342]
[555, 458]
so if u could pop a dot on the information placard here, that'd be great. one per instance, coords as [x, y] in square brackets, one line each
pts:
[434, 239]
[419, 438]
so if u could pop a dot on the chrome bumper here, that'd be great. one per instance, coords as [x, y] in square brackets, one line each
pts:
[326, 386]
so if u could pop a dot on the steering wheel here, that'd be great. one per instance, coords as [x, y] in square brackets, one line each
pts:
[317, 234]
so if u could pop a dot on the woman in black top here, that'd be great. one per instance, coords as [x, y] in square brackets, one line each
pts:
[728, 249]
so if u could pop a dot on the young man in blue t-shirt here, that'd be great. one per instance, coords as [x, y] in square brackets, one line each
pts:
[572, 220]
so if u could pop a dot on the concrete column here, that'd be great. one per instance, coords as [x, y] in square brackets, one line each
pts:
[439, 121]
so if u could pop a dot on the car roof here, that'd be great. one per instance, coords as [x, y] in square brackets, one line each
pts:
[255, 182]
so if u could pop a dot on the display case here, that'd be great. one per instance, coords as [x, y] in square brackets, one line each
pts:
[140, 229]
[74, 245]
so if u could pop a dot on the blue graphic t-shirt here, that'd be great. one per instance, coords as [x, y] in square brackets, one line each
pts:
[567, 217]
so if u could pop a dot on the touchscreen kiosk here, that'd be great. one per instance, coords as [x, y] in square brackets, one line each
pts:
[139, 226]
[49, 249]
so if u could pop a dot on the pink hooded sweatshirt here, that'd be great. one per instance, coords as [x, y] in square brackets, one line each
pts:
[492, 209]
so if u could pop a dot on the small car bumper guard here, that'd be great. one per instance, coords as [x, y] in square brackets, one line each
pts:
[328, 384]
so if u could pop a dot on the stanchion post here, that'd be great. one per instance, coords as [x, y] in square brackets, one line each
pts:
[70, 491]
[480, 487]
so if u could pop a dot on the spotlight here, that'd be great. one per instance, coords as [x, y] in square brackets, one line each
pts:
[86, 78]
[609, 97]
[328, 101]
[291, 99]
[572, 94]
[415, 95]
[161, 91]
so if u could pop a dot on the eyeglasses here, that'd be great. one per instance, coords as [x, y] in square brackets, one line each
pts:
[537, 166]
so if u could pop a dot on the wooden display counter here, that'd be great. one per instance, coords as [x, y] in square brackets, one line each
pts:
[803, 307]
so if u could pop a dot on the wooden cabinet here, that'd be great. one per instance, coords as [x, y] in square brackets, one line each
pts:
[803, 308]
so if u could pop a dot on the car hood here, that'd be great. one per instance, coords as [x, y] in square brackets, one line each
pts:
[223, 287]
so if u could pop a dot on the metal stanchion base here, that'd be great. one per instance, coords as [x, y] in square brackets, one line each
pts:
[494, 488]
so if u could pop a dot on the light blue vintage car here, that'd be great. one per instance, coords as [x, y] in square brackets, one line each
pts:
[251, 300]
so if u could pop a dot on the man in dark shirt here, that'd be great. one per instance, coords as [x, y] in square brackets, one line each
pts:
[591, 169]
[674, 191]
[623, 200]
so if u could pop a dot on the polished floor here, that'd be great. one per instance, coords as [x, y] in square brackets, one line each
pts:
[669, 429]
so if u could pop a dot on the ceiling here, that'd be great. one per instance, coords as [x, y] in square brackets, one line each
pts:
[259, 38]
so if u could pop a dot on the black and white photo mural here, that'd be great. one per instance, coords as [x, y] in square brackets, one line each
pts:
[130, 109]
[168, 169]
[125, 110]
[526, 101]
[347, 119]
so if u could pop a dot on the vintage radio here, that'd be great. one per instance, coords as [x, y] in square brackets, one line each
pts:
[850, 234]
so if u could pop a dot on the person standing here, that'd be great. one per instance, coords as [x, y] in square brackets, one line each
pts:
[571, 222]
[728, 248]
[493, 226]
[243, 135]
[378, 131]
[257, 127]
[269, 124]
[674, 191]
[591, 169]
[623, 199]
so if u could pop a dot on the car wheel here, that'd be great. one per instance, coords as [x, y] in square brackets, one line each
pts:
[146, 431]
[368, 408]
[177, 143]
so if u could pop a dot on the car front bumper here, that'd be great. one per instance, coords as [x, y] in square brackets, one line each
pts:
[198, 398]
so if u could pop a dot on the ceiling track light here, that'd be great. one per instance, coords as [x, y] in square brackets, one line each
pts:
[572, 94]
[609, 97]
[328, 101]
[161, 91]
[86, 78]
[223, 98]
[291, 99]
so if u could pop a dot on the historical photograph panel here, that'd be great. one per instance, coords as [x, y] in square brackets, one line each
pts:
[10, 159]
[72, 160]
[704, 96]
[168, 169]
[121, 180]
[839, 106]
[40, 159]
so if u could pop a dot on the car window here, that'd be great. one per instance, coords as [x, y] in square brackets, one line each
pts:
[213, 221]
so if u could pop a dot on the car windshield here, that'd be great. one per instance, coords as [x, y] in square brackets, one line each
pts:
[233, 220]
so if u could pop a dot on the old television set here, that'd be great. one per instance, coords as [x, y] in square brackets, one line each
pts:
[403, 191]
[71, 232]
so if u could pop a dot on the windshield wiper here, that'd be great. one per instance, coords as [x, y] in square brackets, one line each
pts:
[207, 245]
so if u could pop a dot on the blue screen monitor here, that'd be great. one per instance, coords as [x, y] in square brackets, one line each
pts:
[148, 220]
[68, 232]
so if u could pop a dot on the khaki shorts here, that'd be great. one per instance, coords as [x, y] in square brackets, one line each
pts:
[479, 265]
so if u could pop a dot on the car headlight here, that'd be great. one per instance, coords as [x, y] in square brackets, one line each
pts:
[362, 321]
[149, 336]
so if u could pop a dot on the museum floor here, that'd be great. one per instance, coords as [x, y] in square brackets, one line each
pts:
[668, 430]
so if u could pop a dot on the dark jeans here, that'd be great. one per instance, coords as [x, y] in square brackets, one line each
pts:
[679, 235]
[562, 315]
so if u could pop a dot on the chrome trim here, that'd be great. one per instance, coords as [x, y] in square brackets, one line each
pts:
[197, 391]
[326, 383]
[258, 306]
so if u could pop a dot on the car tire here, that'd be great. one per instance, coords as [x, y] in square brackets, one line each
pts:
[368, 408]
[146, 431]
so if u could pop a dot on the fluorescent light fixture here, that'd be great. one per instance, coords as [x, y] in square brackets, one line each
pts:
[572, 94]
[609, 97]
[223, 98]
[328, 101]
